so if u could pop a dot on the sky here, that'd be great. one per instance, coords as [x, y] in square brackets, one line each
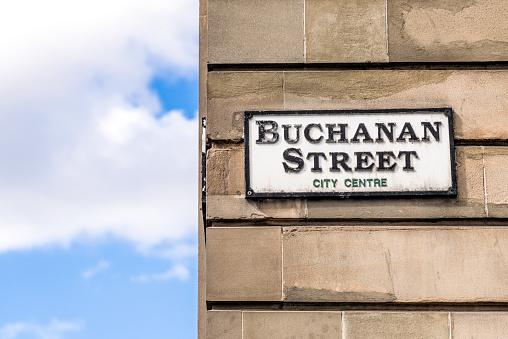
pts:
[98, 169]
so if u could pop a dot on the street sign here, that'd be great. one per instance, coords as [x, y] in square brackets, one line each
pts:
[349, 153]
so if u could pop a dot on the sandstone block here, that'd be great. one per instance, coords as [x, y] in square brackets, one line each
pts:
[224, 324]
[255, 31]
[347, 31]
[279, 324]
[447, 31]
[236, 207]
[243, 264]
[396, 325]
[480, 325]
[477, 97]
[232, 93]
[469, 202]
[496, 174]
[395, 264]
[225, 174]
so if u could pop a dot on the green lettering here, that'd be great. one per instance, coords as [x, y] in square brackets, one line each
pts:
[355, 182]
[377, 182]
[383, 182]
[316, 183]
[346, 182]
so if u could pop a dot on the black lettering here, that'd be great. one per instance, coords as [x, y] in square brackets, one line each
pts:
[332, 132]
[384, 159]
[286, 134]
[306, 132]
[263, 130]
[407, 156]
[293, 159]
[428, 127]
[342, 162]
[362, 131]
[407, 129]
[362, 160]
[316, 156]
[387, 133]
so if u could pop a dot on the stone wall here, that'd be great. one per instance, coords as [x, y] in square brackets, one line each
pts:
[355, 268]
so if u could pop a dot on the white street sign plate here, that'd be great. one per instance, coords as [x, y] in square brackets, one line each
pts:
[349, 153]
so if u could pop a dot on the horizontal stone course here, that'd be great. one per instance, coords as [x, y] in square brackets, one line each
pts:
[225, 180]
[357, 264]
[390, 264]
[260, 31]
[238, 324]
[477, 97]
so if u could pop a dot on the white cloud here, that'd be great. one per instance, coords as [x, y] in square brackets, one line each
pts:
[100, 266]
[54, 330]
[180, 251]
[177, 272]
[81, 152]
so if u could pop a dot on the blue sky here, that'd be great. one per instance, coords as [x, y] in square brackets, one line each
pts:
[98, 178]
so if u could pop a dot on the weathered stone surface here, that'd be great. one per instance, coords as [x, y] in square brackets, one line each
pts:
[280, 324]
[480, 325]
[478, 98]
[227, 207]
[469, 202]
[224, 324]
[225, 174]
[396, 325]
[444, 31]
[255, 31]
[232, 93]
[395, 264]
[496, 174]
[243, 264]
[347, 31]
